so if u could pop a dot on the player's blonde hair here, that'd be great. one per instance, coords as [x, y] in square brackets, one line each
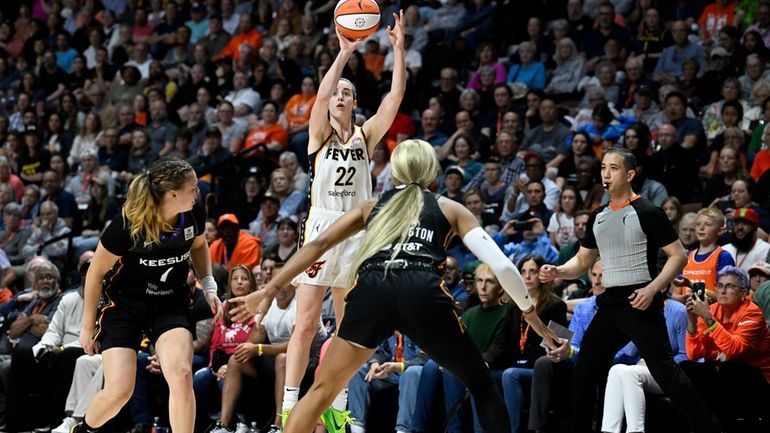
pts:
[414, 165]
[146, 193]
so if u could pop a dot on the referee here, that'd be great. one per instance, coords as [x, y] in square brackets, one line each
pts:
[627, 233]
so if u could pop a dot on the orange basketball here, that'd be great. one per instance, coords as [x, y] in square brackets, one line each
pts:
[357, 19]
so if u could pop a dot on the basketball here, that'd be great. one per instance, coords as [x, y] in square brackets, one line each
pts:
[357, 19]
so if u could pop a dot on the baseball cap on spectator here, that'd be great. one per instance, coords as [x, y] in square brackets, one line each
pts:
[530, 155]
[455, 169]
[760, 267]
[198, 8]
[228, 217]
[470, 269]
[645, 90]
[270, 197]
[747, 214]
[719, 52]
[88, 153]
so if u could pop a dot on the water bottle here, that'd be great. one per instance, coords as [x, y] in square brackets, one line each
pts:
[253, 428]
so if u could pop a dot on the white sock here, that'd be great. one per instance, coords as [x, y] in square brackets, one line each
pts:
[400, 431]
[355, 428]
[290, 397]
[341, 400]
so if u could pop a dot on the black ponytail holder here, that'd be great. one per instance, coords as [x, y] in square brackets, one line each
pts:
[415, 183]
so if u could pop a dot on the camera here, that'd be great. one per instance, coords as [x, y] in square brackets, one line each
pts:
[521, 226]
[699, 288]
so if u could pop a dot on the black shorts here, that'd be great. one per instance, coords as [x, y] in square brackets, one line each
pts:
[415, 302]
[124, 320]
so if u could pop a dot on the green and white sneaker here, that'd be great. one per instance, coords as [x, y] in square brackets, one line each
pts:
[335, 420]
[284, 416]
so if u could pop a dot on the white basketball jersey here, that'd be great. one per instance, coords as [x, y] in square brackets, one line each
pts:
[339, 173]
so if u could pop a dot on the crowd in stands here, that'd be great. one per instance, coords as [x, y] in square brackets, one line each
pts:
[519, 99]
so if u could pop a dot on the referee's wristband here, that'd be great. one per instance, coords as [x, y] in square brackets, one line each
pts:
[208, 285]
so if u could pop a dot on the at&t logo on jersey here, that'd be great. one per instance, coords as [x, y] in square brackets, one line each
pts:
[313, 270]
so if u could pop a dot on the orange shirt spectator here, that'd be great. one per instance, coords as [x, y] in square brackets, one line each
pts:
[247, 35]
[760, 165]
[744, 337]
[714, 17]
[297, 110]
[235, 246]
[268, 132]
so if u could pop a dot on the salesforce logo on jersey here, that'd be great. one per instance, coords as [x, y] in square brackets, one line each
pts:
[154, 263]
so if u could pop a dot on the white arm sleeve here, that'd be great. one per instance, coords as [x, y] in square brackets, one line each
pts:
[480, 244]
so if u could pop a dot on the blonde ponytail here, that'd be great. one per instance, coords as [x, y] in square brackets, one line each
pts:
[415, 165]
[145, 194]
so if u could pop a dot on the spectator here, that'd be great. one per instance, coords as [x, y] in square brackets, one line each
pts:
[487, 324]
[567, 168]
[296, 116]
[535, 171]
[297, 176]
[687, 235]
[713, 18]
[209, 164]
[733, 337]
[13, 237]
[669, 66]
[673, 166]
[29, 326]
[717, 74]
[651, 39]
[234, 245]
[217, 37]
[232, 132]
[380, 169]
[550, 309]
[561, 227]
[101, 209]
[729, 169]
[453, 183]
[246, 34]
[596, 38]
[528, 232]
[570, 68]
[288, 234]
[34, 159]
[85, 140]
[265, 226]
[745, 247]
[549, 140]
[486, 56]
[459, 150]
[705, 261]
[712, 114]
[673, 209]
[49, 226]
[758, 274]
[227, 336]
[266, 343]
[67, 206]
[528, 71]
[754, 73]
[267, 135]
[397, 362]
[430, 129]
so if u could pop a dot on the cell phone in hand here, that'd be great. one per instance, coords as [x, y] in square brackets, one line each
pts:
[699, 288]
[521, 226]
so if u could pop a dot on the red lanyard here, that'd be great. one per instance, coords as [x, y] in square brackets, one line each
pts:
[524, 334]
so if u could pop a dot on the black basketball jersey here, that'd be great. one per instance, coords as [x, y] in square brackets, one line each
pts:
[147, 269]
[427, 241]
